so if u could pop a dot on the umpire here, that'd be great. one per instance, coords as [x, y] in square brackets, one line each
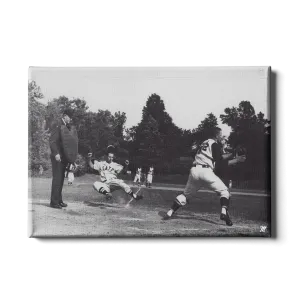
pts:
[58, 159]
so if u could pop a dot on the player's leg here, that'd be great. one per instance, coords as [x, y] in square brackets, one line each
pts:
[103, 189]
[218, 186]
[192, 186]
[125, 187]
[58, 170]
[150, 177]
[70, 178]
[62, 179]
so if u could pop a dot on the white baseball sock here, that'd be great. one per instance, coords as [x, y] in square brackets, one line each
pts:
[170, 212]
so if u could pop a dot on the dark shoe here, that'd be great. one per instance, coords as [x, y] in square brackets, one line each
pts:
[108, 196]
[226, 218]
[138, 197]
[55, 206]
[63, 204]
[166, 217]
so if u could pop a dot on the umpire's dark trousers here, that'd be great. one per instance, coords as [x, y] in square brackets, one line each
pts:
[58, 175]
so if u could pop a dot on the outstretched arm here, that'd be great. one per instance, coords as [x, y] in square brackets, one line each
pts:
[125, 167]
[90, 160]
[238, 159]
[227, 156]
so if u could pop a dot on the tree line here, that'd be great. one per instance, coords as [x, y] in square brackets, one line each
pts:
[155, 140]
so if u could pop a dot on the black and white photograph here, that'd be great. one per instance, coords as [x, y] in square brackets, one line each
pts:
[149, 152]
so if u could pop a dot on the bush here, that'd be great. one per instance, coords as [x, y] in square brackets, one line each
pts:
[82, 166]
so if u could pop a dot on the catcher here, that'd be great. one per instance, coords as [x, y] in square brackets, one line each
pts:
[108, 171]
[208, 158]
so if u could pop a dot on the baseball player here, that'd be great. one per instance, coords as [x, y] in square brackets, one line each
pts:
[209, 155]
[143, 178]
[71, 168]
[41, 170]
[108, 171]
[137, 178]
[150, 177]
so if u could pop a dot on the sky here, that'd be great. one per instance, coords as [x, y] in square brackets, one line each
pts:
[189, 94]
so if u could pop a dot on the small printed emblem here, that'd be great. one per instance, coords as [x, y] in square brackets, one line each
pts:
[263, 228]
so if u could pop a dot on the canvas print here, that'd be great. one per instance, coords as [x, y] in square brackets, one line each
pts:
[149, 152]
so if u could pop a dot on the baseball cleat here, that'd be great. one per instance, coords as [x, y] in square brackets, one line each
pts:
[109, 196]
[138, 197]
[168, 215]
[226, 218]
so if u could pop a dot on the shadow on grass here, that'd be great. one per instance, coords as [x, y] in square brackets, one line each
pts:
[65, 210]
[102, 205]
[185, 217]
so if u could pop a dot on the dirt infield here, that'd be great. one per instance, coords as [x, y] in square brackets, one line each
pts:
[91, 215]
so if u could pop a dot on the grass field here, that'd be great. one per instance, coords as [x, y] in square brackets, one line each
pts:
[90, 214]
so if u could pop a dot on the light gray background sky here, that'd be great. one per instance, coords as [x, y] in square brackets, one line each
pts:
[189, 94]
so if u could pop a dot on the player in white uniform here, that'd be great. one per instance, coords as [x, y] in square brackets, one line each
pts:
[108, 171]
[150, 177]
[71, 168]
[209, 154]
[137, 178]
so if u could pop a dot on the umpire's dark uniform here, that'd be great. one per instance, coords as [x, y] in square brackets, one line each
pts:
[58, 167]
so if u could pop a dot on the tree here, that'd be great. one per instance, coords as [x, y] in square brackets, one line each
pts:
[250, 131]
[209, 122]
[38, 135]
[156, 138]
[119, 120]
[202, 132]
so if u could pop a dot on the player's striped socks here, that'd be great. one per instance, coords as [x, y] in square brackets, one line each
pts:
[102, 191]
[174, 208]
[224, 205]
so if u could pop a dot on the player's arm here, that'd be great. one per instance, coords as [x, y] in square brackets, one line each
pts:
[125, 167]
[237, 160]
[94, 164]
[227, 156]
[91, 161]
[220, 159]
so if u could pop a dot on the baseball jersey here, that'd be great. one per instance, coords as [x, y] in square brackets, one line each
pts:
[139, 171]
[150, 172]
[206, 155]
[107, 171]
